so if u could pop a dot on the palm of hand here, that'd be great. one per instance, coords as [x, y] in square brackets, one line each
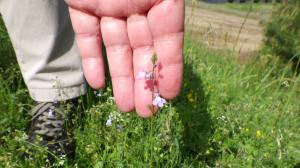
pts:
[132, 31]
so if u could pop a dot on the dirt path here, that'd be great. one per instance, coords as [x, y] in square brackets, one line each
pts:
[221, 30]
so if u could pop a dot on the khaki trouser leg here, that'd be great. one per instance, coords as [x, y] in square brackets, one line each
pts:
[43, 39]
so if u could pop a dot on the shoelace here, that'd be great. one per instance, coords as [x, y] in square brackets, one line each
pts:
[48, 120]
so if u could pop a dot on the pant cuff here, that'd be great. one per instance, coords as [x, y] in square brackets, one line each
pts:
[60, 94]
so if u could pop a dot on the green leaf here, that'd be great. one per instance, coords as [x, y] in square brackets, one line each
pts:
[154, 59]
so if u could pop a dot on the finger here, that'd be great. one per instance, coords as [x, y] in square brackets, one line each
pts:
[119, 55]
[141, 41]
[166, 22]
[88, 37]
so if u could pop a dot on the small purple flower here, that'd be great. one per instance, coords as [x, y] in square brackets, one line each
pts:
[109, 122]
[158, 101]
[142, 75]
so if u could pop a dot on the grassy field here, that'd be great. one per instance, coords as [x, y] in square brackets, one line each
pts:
[259, 11]
[227, 115]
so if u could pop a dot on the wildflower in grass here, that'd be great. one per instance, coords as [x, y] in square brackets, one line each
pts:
[258, 134]
[62, 160]
[245, 130]
[109, 122]
[158, 101]
[190, 97]
[99, 94]
[286, 84]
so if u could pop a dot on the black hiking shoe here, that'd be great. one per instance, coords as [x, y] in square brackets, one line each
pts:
[52, 129]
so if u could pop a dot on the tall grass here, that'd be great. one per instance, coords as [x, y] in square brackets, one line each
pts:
[283, 32]
[6, 53]
[225, 115]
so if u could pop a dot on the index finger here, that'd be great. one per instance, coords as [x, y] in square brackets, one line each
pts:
[88, 37]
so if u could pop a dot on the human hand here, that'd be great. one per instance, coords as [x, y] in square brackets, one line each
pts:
[132, 31]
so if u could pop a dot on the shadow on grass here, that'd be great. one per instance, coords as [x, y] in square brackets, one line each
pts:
[6, 50]
[192, 105]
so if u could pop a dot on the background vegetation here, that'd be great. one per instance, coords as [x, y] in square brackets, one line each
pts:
[283, 32]
[7, 54]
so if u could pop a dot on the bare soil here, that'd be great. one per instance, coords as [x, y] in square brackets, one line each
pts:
[224, 31]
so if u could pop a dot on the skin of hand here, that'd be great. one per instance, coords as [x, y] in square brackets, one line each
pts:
[132, 31]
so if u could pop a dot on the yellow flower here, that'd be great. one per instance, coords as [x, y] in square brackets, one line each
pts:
[245, 130]
[258, 134]
[191, 97]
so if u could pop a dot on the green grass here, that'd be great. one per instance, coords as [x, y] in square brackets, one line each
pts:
[227, 115]
[7, 55]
